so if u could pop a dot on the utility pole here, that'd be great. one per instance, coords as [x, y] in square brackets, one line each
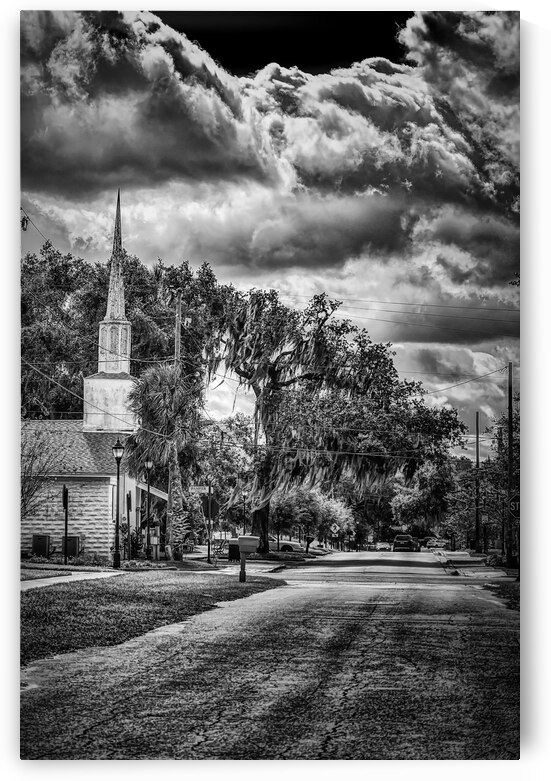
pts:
[177, 353]
[510, 465]
[477, 493]
[209, 521]
[178, 328]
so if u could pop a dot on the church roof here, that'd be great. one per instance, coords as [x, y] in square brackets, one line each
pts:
[75, 451]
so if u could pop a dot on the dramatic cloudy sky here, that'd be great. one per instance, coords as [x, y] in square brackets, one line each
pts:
[371, 155]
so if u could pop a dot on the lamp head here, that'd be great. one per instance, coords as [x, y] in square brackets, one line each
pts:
[118, 450]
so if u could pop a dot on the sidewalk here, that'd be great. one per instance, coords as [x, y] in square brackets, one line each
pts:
[70, 578]
[471, 566]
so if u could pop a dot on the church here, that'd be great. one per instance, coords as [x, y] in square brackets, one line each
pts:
[81, 456]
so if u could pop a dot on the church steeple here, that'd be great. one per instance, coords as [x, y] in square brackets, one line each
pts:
[115, 299]
[114, 330]
[106, 393]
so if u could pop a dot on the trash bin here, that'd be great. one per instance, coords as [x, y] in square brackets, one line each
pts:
[41, 545]
[233, 550]
[73, 545]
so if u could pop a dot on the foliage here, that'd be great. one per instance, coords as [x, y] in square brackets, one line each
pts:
[319, 384]
[312, 511]
[167, 402]
[424, 501]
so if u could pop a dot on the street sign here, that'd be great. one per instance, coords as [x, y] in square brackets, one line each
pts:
[514, 506]
[199, 489]
[334, 528]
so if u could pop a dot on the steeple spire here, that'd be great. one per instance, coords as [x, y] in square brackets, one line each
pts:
[114, 330]
[115, 298]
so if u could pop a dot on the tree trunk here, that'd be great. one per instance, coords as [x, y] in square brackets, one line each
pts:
[260, 527]
[176, 527]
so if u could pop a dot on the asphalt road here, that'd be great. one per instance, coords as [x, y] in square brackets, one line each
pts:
[361, 656]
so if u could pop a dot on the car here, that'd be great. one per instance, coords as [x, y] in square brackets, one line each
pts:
[403, 542]
[434, 542]
[383, 546]
[285, 546]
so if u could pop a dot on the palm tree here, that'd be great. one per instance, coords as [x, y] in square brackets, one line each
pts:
[166, 402]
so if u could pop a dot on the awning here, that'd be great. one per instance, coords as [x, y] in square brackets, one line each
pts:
[153, 490]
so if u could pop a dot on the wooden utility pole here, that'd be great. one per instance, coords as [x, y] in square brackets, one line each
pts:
[477, 492]
[178, 328]
[177, 352]
[510, 465]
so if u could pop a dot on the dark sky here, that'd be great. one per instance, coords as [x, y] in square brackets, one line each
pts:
[315, 41]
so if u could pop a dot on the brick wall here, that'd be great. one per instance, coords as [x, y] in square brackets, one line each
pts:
[90, 515]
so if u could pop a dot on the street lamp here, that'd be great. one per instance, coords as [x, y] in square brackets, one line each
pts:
[118, 450]
[148, 466]
[244, 494]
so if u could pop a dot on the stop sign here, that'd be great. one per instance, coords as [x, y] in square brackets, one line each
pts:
[514, 506]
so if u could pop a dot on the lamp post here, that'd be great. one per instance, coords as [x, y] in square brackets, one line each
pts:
[148, 466]
[118, 450]
[244, 494]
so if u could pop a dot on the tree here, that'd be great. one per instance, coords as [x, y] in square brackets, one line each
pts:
[37, 460]
[167, 402]
[317, 381]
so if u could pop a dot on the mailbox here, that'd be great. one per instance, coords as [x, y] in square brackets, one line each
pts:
[248, 544]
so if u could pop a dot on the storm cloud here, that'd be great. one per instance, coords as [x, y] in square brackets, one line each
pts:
[379, 181]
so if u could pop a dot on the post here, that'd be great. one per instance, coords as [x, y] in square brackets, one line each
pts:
[128, 511]
[178, 327]
[503, 527]
[209, 522]
[117, 554]
[477, 493]
[66, 508]
[242, 573]
[510, 465]
[148, 534]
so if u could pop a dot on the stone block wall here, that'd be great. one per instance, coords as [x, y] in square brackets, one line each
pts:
[90, 515]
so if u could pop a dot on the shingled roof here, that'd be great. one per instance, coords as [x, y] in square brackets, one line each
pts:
[75, 451]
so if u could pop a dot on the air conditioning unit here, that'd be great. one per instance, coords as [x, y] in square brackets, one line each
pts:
[41, 545]
[73, 545]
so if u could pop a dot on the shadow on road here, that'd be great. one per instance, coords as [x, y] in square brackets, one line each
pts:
[378, 562]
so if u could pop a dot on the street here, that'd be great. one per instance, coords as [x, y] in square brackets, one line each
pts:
[363, 656]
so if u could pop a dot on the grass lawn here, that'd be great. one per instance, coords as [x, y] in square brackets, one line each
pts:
[70, 616]
[509, 591]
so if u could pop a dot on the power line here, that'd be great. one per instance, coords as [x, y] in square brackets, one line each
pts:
[400, 303]
[480, 377]
[438, 315]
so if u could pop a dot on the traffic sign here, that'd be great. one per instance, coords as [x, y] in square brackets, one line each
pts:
[514, 506]
[334, 528]
[199, 489]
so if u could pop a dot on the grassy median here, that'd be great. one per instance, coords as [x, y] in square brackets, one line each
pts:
[69, 616]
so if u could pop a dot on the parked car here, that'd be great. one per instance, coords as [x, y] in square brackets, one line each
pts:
[383, 546]
[403, 542]
[434, 542]
[285, 546]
